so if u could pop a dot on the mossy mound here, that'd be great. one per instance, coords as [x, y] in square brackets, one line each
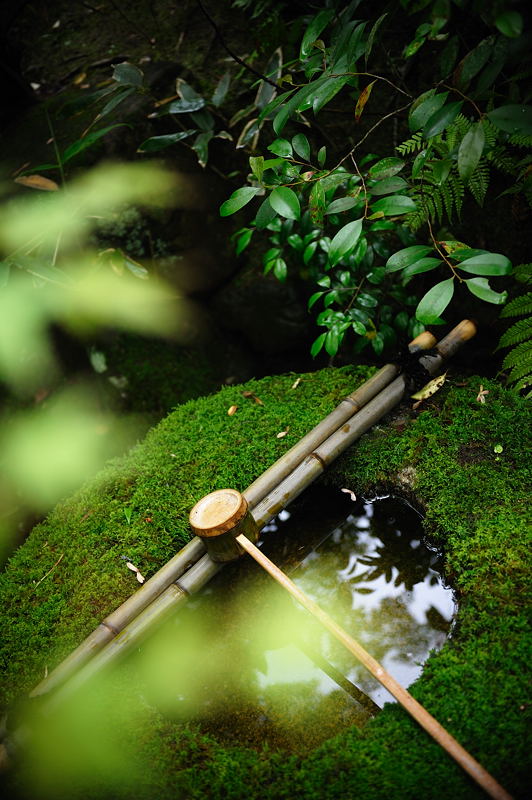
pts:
[475, 503]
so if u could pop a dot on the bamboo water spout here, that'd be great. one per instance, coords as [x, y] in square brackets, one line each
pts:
[138, 614]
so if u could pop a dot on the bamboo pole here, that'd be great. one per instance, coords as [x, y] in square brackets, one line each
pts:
[195, 549]
[347, 408]
[415, 709]
[140, 616]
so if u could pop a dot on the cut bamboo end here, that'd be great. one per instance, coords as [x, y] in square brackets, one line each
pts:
[218, 518]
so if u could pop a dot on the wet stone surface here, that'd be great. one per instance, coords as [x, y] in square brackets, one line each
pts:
[253, 668]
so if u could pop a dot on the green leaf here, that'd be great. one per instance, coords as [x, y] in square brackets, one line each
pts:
[419, 161]
[136, 269]
[238, 200]
[317, 344]
[5, 271]
[510, 23]
[281, 147]
[300, 101]
[487, 264]
[285, 201]
[448, 57]
[256, 164]
[221, 90]
[322, 155]
[314, 298]
[155, 143]
[265, 214]
[441, 119]
[185, 106]
[435, 302]
[200, 146]
[87, 141]
[309, 251]
[386, 168]
[392, 205]
[420, 113]
[301, 146]
[115, 101]
[512, 119]
[317, 203]
[371, 37]
[470, 151]
[473, 62]
[280, 269]
[480, 288]
[128, 74]
[359, 328]
[333, 339]
[423, 265]
[345, 241]
[327, 91]
[388, 185]
[341, 204]
[317, 25]
[243, 240]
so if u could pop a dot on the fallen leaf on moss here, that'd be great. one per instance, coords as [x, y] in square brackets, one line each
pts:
[136, 570]
[253, 397]
[232, 410]
[282, 433]
[296, 383]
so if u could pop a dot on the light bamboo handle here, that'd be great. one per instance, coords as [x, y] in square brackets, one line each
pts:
[420, 714]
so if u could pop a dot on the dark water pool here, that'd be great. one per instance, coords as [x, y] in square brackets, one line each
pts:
[250, 666]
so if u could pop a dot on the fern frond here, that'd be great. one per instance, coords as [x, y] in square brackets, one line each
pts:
[518, 332]
[524, 384]
[458, 189]
[520, 140]
[519, 356]
[523, 273]
[479, 181]
[518, 306]
[502, 160]
[517, 373]
[412, 145]
[457, 130]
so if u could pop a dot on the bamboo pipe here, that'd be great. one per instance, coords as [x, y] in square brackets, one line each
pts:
[312, 466]
[349, 406]
[195, 549]
[120, 617]
[415, 709]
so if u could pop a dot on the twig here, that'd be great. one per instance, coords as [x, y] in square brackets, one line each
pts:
[468, 99]
[442, 254]
[373, 127]
[231, 53]
[50, 570]
[366, 203]
[131, 22]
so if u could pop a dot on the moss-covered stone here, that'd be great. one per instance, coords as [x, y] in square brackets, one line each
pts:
[474, 499]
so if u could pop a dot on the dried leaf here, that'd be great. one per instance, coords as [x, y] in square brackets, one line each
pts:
[140, 577]
[136, 570]
[253, 396]
[430, 388]
[281, 434]
[350, 493]
[296, 383]
[232, 410]
[481, 396]
[362, 100]
[38, 182]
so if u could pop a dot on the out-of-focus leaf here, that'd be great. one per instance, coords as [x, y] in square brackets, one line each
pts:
[473, 62]
[37, 182]
[87, 141]
[510, 23]
[114, 102]
[200, 146]
[316, 26]
[371, 37]
[185, 106]
[266, 92]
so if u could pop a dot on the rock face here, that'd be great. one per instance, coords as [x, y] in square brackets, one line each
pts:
[70, 574]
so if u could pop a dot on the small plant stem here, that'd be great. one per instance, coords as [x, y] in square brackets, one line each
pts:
[231, 53]
[49, 571]
[468, 99]
[366, 203]
[56, 149]
[355, 294]
[368, 133]
[377, 77]
[442, 254]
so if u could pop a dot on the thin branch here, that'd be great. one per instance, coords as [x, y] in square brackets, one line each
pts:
[468, 99]
[366, 202]
[368, 133]
[231, 53]
[441, 253]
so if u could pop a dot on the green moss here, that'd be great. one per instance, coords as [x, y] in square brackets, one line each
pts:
[443, 456]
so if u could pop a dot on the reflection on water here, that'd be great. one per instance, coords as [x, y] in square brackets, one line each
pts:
[253, 667]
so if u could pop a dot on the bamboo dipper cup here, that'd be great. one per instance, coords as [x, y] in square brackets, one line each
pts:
[218, 518]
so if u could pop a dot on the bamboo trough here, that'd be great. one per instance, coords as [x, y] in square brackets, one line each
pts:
[242, 516]
[191, 568]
